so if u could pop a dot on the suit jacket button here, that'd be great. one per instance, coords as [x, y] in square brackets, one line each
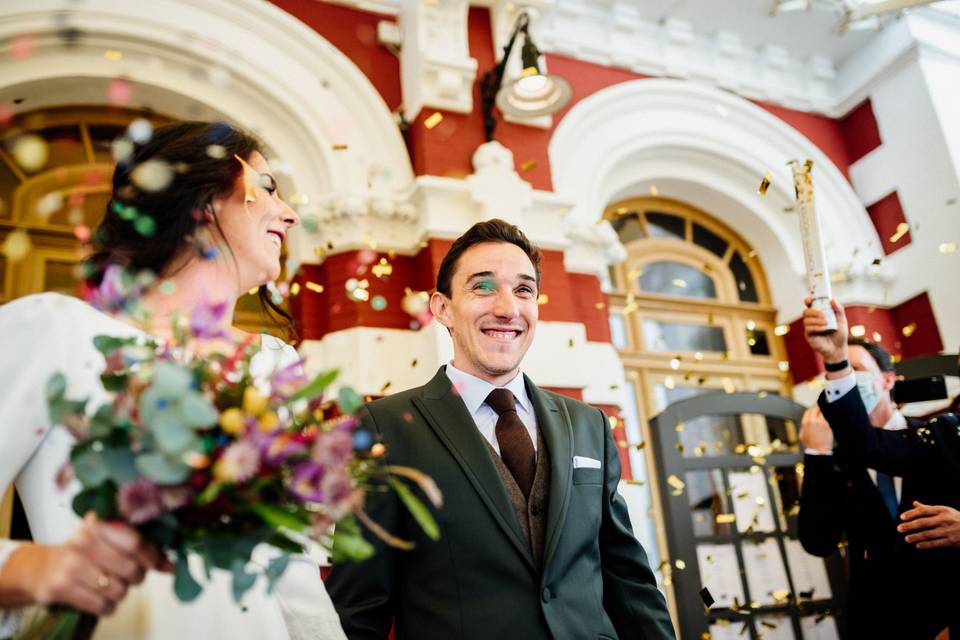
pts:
[547, 594]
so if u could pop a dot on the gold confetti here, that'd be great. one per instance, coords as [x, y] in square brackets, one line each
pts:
[295, 289]
[725, 518]
[781, 330]
[680, 564]
[528, 165]
[414, 363]
[783, 365]
[948, 247]
[433, 120]
[728, 386]
[901, 231]
[768, 625]
[675, 363]
[654, 191]
[382, 268]
[877, 337]
[675, 482]
[112, 54]
[543, 299]
[378, 450]
[680, 427]
[30, 152]
[621, 211]
[599, 306]
[251, 178]
[570, 343]
[340, 147]
[669, 382]
[679, 282]
[313, 286]
[908, 330]
[385, 386]
[764, 184]
[858, 331]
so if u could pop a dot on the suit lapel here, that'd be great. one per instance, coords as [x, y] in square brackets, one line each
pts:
[554, 424]
[446, 414]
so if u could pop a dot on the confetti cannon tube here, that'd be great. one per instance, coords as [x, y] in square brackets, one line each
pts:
[818, 277]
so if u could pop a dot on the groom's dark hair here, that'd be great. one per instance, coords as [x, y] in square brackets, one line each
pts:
[495, 230]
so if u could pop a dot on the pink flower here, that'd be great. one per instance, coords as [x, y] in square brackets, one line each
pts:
[305, 482]
[173, 498]
[238, 462]
[207, 319]
[336, 486]
[139, 501]
[64, 476]
[333, 448]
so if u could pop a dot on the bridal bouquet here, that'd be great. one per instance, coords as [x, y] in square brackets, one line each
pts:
[205, 460]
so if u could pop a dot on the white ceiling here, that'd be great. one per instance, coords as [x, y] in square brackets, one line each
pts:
[801, 33]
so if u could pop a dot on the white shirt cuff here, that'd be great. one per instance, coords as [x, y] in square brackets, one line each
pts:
[817, 452]
[839, 386]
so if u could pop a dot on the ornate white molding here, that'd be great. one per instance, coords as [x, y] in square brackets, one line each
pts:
[709, 148]
[593, 248]
[436, 68]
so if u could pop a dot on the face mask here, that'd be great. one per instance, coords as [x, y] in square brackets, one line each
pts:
[867, 392]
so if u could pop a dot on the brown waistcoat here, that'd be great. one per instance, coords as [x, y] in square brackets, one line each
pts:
[532, 513]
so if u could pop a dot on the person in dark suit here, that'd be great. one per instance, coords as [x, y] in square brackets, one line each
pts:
[858, 490]
[535, 542]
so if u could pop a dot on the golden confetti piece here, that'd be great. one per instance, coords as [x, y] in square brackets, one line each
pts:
[30, 152]
[908, 330]
[385, 386]
[728, 385]
[680, 427]
[794, 510]
[680, 447]
[621, 211]
[112, 54]
[877, 337]
[340, 147]
[680, 564]
[570, 343]
[669, 382]
[751, 254]
[781, 330]
[640, 445]
[705, 635]
[858, 331]
[433, 120]
[948, 247]
[251, 178]
[725, 518]
[679, 282]
[16, 246]
[699, 451]
[768, 625]
[378, 449]
[543, 298]
[764, 184]
[382, 268]
[295, 289]
[675, 482]
[901, 231]
[528, 165]
[313, 286]
[654, 191]
[697, 356]
[783, 365]
[675, 363]
[614, 421]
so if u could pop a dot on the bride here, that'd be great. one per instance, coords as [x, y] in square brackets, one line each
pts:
[198, 206]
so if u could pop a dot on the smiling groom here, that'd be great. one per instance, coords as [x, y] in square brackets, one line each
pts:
[535, 542]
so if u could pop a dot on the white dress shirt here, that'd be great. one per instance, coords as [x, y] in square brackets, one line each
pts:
[839, 387]
[474, 391]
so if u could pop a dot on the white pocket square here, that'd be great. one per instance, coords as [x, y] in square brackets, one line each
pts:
[582, 462]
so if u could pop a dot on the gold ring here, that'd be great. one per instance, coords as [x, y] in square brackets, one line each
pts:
[103, 581]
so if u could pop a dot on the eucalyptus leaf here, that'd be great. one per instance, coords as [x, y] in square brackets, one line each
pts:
[161, 469]
[316, 387]
[276, 517]
[184, 584]
[101, 500]
[275, 569]
[107, 344]
[56, 386]
[242, 579]
[101, 424]
[196, 411]
[417, 509]
[88, 467]
[172, 435]
[120, 463]
[171, 380]
[349, 400]
[114, 381]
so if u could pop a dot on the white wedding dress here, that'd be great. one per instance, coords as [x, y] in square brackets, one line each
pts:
[45, 333]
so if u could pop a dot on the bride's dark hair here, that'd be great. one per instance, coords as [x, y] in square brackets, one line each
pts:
[201, 157]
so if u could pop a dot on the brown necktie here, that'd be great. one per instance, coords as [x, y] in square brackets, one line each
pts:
[516, 448]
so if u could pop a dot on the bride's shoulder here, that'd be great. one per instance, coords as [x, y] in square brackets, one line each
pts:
[46, 308]
[281, 353]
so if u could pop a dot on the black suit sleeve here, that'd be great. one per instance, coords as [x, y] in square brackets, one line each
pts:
[821, 517]
[898, 453]
[630, 595]
[362, 592]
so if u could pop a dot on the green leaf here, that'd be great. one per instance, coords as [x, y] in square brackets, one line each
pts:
[417, 509]
[349, 400]
[196, 411]
[242, 579]
[315, 388]
[107, 344]
[184, 584]
[172, 435]
[88, 466]
[171, 380]
[56, 386]
[348, 543]
[275, 569]
[276, 517]
[101, 500]
[101, 424]
[114, 381]
[210, 493]
[120, 463]
[161, 469]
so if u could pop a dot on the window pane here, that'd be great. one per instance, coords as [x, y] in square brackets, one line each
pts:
[720, 573]
[665, 225]
[676, 279]
[704, 435]
[628, 228]
[709, 240]
[707, 498]
[757, 341]
[745, 286]
[102, 136]
[618, 331]
[65, 145]
[677, 336]
[766, 573]
[60, 276]
[751, 502]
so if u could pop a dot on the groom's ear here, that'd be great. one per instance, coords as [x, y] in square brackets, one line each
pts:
[440, 308]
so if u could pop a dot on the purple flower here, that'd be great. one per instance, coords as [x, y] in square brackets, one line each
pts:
[139, 501]
[207, 319]
[116, 290]
[238, 462]
[277, 448]
[336, 486]
[333, 448]
[305, 482]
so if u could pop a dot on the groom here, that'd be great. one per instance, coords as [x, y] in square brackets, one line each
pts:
[535, 542]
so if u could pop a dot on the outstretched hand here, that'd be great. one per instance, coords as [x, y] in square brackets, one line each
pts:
[931, 527]
[831, 346]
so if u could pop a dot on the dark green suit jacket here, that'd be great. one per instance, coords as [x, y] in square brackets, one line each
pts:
[479, 580]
